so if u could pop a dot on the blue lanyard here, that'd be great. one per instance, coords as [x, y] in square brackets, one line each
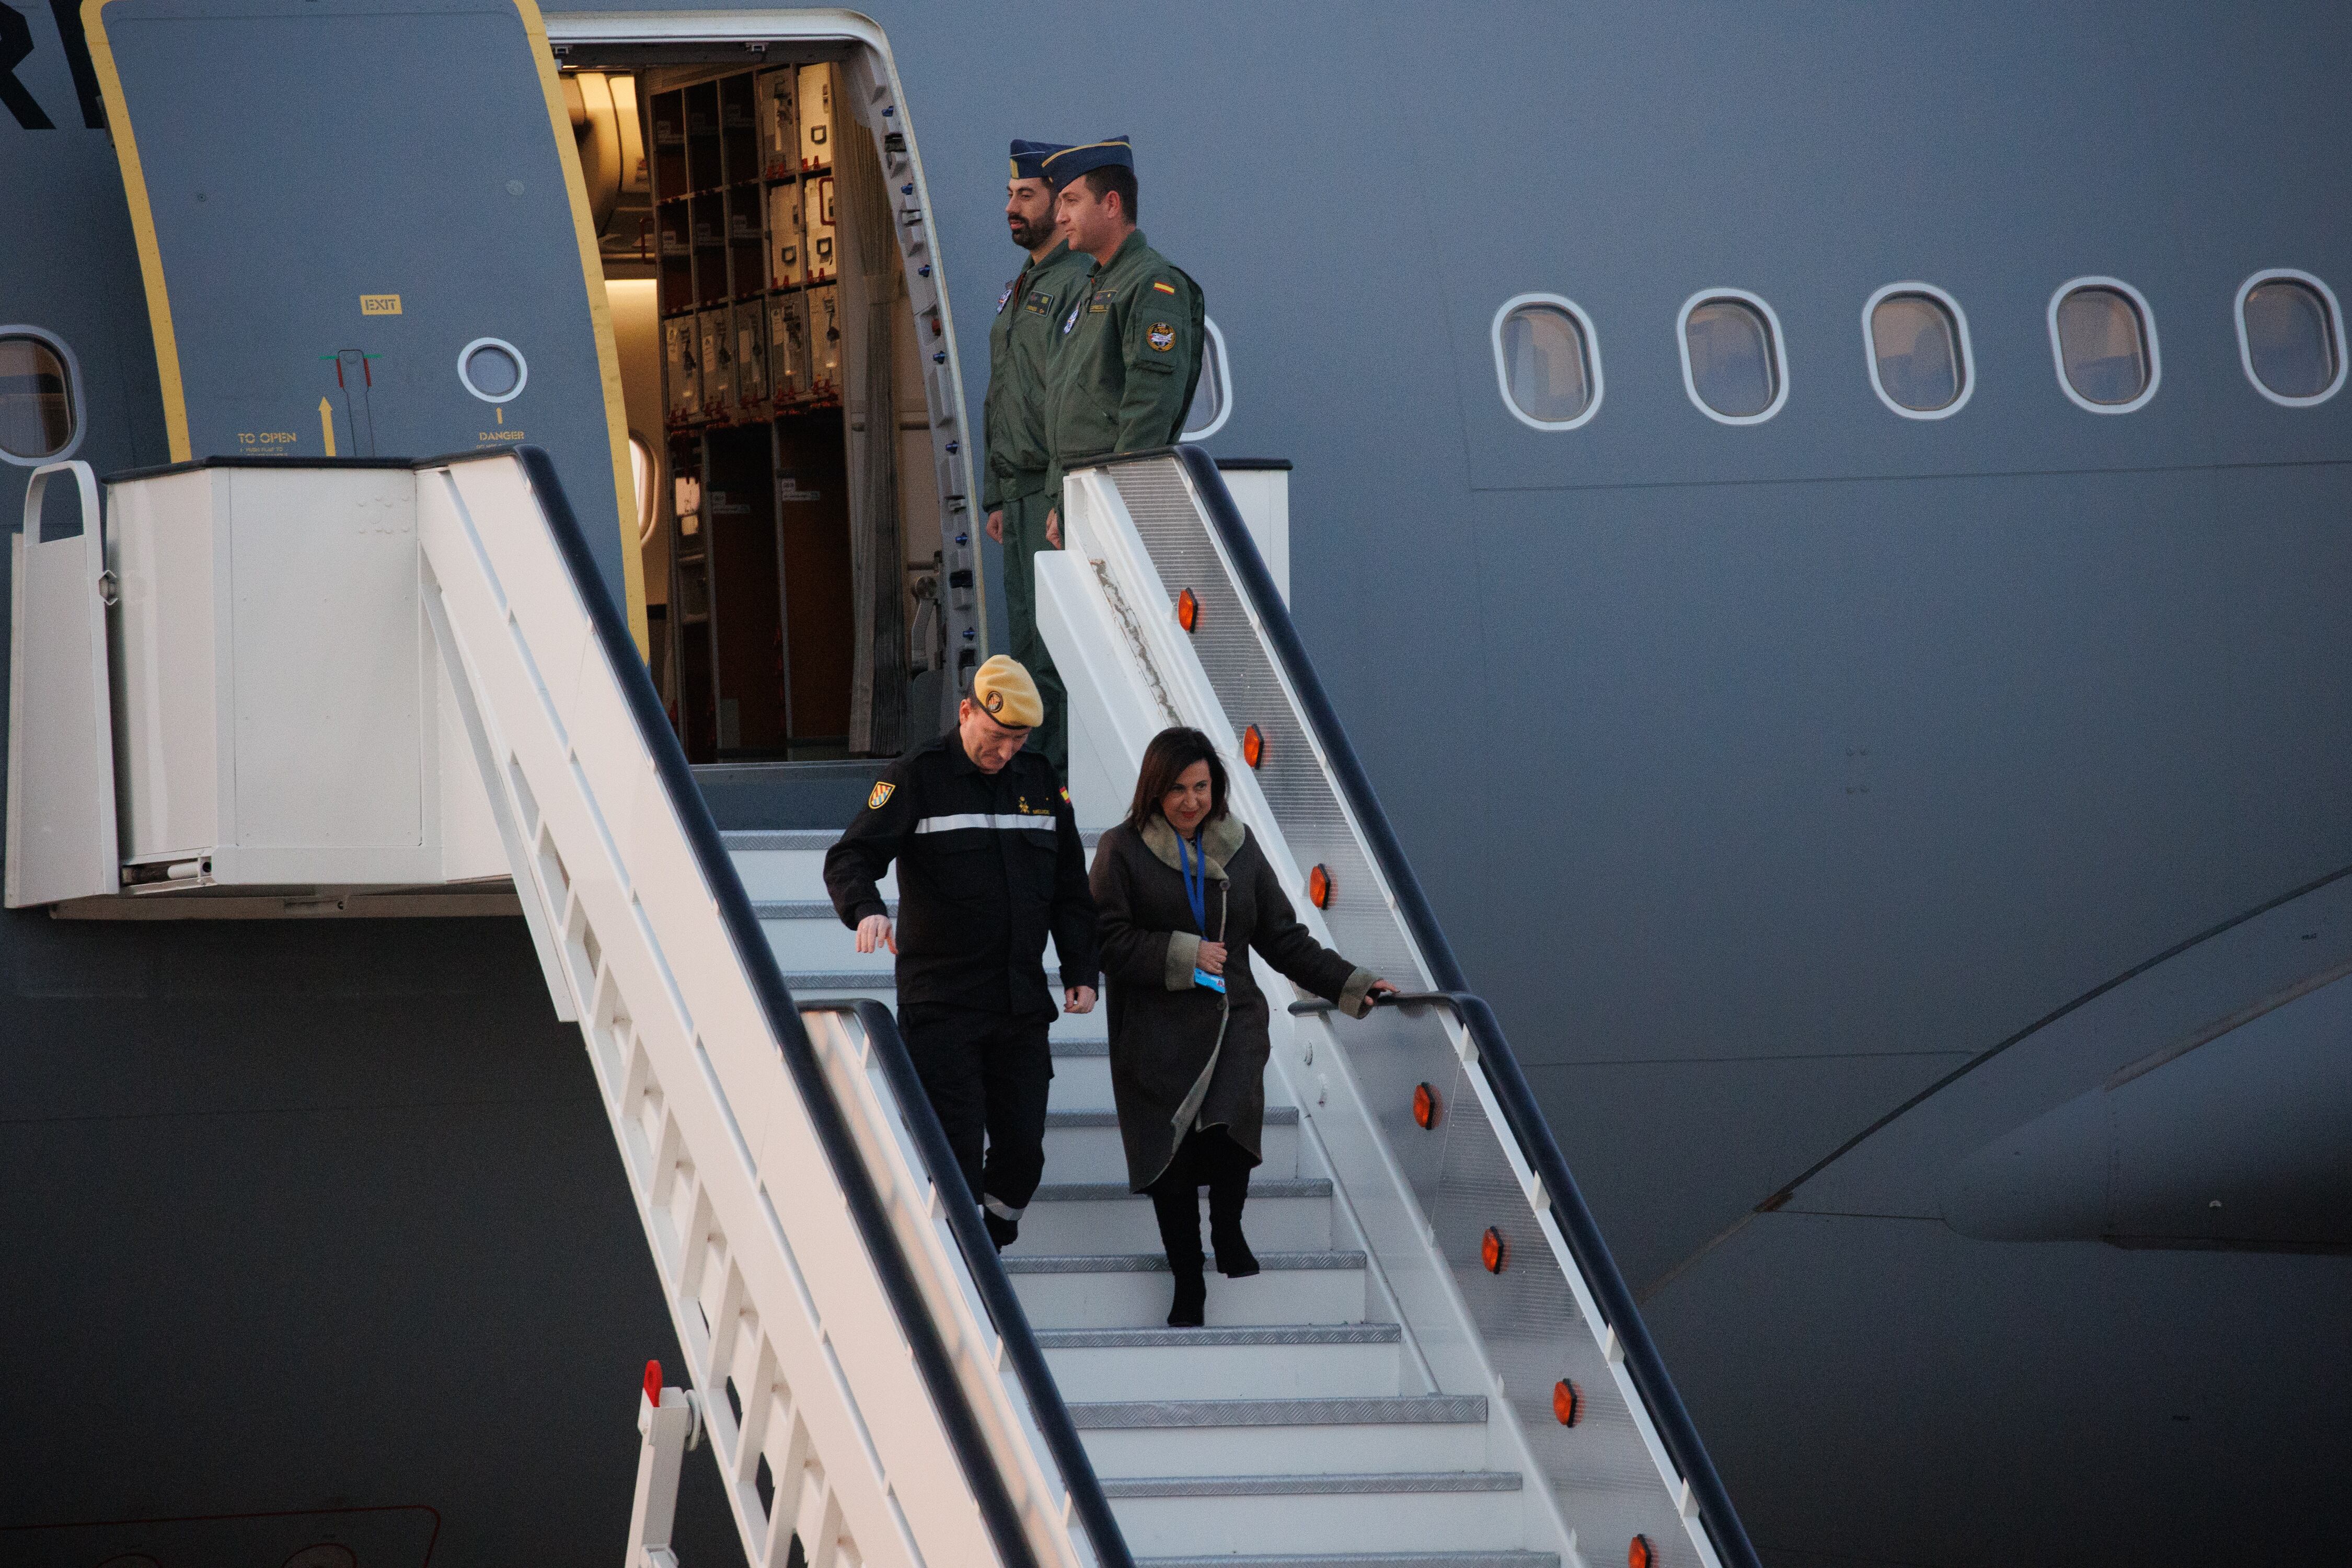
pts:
[1196, 889]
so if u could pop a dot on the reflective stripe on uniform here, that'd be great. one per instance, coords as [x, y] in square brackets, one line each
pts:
[982, 819]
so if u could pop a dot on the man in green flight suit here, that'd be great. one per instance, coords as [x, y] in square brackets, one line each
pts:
[1131, 354]
[1021, 345]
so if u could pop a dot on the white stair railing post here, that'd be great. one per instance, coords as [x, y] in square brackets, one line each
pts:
[669, 1424]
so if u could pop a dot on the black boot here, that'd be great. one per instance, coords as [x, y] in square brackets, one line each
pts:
[1179, 1234]
[1228, 1190]
[1004, 1232]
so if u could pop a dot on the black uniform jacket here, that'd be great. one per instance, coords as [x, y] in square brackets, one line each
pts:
[987, 864]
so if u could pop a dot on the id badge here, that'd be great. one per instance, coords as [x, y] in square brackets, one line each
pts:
[1213, 982]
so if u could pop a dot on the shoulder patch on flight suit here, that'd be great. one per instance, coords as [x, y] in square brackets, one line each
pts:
[1162, 287]
[1161, 336]
[881, 796]
[1065, 795]
[1039, 303]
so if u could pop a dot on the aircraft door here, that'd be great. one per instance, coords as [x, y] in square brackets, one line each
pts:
[364, 234]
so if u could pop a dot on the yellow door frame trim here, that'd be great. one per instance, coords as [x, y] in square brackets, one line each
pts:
[600, 308]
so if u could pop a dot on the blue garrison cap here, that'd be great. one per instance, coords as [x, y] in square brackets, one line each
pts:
[1067, 164]
[1029, 158]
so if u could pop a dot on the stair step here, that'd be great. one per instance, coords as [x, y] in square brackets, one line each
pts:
[1508, 1558]
[1083, 1145]
[1369, 1510]
[805, 909]
[1286, 1214]
[1401, 1410]
[1130, 1290]
[1262, 1189]
[1255, 1335]
[1332, 1435]
[1156, 1262]
[1348, 1484]
[1267, 1360]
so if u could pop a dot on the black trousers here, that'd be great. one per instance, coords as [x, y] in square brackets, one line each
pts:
[987, 1076]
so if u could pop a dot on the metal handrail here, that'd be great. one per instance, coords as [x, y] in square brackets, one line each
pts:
[963, 1428]
[1021, 1347]
[1496, 1058]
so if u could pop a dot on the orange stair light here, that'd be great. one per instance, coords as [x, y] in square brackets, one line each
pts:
[1638, 1553]
[1252, 746]
[1425, 1107]
[1188, 610]
[1493, 1250]
[1318, 888]
[1566, 1403]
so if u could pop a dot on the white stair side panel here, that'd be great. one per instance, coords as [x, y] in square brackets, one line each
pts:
[768, 1276]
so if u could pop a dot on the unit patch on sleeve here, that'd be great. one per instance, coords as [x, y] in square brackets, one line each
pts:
[1163, 288]
[1161, 336]
[881, 796]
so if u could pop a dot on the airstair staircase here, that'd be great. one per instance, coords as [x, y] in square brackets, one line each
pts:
[1439, 1365]
[1300, 1421]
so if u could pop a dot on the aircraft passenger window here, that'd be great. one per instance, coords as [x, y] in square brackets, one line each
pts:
[2105, 342]
[1918, 350]
[644, 472]
[2290, 337]
[1547, 360]
[38, 401]
[1732, 367]
[1212, 402]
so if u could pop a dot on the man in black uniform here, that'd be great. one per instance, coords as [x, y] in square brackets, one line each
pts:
[990, 862]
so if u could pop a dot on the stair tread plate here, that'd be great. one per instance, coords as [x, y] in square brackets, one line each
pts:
[864, 980]
[1381, 1410]
[748, 840]
[1260, 1190]
[1157, 1262]
[1507, 1558]
[1214, 1339]
[1275, 1116]
[806, 910]
[1341, 1483]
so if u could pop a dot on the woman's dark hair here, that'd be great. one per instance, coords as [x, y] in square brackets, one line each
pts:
[1170, 753]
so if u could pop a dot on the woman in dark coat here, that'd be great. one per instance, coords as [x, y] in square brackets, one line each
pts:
[1184, 894]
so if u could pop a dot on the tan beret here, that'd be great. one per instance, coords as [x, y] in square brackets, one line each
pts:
[1007, 694]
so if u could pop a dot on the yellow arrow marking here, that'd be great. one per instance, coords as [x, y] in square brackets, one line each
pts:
[327, 424]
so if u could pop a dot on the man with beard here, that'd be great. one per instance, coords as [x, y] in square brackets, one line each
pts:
[1021, 342]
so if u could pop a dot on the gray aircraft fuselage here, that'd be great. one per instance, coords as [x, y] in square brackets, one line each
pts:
[1766, 776]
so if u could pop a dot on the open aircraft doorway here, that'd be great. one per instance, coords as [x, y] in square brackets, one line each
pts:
[810, 573]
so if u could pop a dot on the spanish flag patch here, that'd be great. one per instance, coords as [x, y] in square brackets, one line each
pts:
[1163, 287]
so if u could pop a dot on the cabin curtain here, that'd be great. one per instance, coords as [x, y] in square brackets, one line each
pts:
[878, 674]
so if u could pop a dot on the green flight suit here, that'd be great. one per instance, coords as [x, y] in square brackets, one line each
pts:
[1130, 359]
[1021, 343]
